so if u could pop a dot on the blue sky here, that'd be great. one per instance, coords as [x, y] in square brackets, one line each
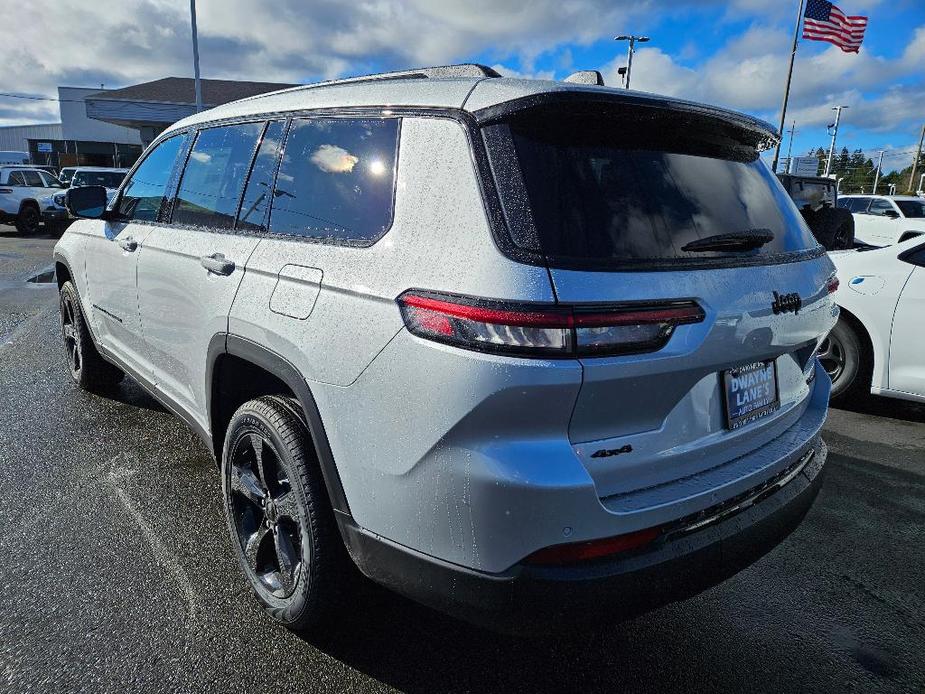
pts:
[728, 52]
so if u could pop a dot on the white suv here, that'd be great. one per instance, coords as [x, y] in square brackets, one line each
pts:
[26, 198]
[526, 351]
[884, 220]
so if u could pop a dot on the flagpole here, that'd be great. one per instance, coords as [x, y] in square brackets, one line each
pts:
[783, 111]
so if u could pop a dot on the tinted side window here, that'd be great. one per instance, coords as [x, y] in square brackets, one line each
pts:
[336, 179]
[859, 204]
[16, 179]
[881, 207]
[214, 175]
[844, 203]
[257, 196]
[143, 194]
[33, 179]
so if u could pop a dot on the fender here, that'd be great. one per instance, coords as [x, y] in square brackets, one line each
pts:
[280, 367]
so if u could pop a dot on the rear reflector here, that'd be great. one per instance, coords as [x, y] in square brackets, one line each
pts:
[596, 549]
[542, 329]
[832, 284]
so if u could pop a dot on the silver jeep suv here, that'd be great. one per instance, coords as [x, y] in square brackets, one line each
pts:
[521, 350]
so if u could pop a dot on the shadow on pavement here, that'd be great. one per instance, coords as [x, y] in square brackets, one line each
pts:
[128, 392]
[888, 407]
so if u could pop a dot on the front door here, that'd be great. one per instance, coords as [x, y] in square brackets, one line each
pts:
[112, 257]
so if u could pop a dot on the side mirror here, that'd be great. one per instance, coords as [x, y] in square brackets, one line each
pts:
[892, 214]
[87, 202]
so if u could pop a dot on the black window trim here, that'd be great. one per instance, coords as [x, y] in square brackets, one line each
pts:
[906, 255]
[489, 194]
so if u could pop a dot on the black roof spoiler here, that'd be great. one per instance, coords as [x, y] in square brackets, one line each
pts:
[756, 132]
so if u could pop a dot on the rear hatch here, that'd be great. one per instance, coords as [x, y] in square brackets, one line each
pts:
[661, 205]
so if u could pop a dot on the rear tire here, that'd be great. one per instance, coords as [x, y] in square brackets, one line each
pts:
[88, 369]
[28, 220]
[845, 358]
[279, 515]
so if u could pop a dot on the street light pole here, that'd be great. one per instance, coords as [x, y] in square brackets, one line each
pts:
[630, 50]
[879, 167]
[915, 162]
[828, 162]
[198, 83]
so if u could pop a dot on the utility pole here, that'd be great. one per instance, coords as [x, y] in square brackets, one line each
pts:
[783, 110]
[198, 83]
[793, 129]
[915, 162]
[828, 163]
[879, 167]
[630, 50]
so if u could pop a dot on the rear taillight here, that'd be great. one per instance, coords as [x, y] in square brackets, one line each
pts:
[832, 284]
[543, 329]
[6, 190]
[576, 552]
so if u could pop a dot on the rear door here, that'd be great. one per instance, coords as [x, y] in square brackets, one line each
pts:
[192, 266]
[624, 207]
[882, 223]
[907, 366]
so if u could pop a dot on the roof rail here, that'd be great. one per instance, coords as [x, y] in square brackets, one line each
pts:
[441, 71]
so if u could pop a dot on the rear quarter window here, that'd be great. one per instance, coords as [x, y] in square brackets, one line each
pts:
[336, 180]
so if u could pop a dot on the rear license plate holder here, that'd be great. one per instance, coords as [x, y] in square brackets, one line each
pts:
[750, 393]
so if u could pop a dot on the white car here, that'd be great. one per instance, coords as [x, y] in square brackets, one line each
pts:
[26, 198]
[108, 177]
[877, 344]
[882, 220]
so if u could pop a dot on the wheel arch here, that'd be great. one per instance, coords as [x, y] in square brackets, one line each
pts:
[877, 352]
[231, 353]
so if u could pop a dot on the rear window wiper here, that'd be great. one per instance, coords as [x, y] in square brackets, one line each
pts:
[739, 241]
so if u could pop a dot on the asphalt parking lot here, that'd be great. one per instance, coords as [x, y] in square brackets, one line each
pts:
[116, 572]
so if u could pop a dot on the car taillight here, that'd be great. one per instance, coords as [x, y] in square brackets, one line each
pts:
[832, 284]
[6, 190]
[543, 329]
[558, 555]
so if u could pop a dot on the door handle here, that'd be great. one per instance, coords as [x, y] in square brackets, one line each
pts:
[217, 264]
[129, 244]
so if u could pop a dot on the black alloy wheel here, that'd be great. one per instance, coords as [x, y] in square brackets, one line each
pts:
[280, 517]
[266, 514]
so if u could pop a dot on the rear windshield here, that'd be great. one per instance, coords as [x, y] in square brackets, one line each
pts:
[616, 189]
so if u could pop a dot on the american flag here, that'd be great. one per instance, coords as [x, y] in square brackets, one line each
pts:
[822, 21]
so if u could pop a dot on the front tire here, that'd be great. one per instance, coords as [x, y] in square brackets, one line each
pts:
[844, 356]
[28, 220]
[279, 515]
[88, 369]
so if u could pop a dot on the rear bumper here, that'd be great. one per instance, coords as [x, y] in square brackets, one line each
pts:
[691, 556]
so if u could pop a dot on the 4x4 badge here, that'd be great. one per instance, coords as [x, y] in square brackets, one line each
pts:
[784, 303]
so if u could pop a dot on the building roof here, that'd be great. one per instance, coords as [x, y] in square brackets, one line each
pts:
[181, 90]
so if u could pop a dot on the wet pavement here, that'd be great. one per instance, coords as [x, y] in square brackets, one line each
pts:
[117, 574]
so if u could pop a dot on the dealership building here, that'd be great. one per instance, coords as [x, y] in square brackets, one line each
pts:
[111, 127]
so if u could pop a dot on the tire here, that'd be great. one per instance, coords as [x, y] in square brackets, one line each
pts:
[833, 227]
[279, 515]
[28, 220]
[88, 369]
[845, 357]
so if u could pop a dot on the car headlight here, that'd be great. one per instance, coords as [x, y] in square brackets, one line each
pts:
[58, 199]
